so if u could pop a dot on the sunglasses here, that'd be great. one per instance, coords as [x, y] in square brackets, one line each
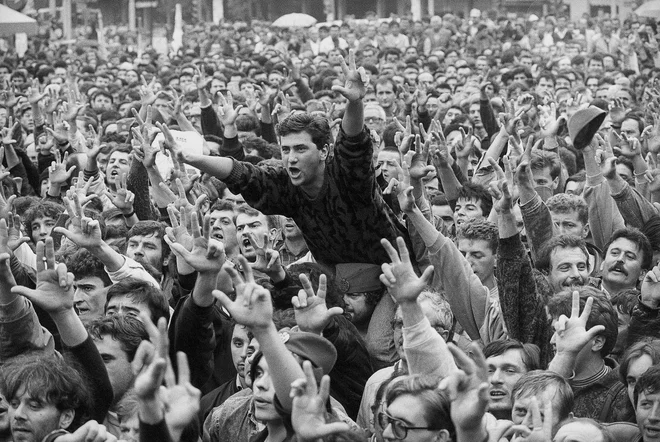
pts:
[399, 428]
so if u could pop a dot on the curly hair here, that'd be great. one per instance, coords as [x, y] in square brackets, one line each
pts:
[260, 145]
[480, 229]
[567, 203]
[43, 209]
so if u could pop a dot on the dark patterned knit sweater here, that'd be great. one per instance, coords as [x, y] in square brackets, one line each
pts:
[522, 302]
[345, 221]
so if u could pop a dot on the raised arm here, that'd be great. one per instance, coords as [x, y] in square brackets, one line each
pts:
[571, 335]
[192, 329]
[604, 216]
[635, 209]
[536, 215]
[426, 351]
[86, 232]
[354, 89]
[54, 294]
[467, 297]
[253, 308]
[19, 324]
[522, 308]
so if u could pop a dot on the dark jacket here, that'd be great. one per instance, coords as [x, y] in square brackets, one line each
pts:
[353, 367]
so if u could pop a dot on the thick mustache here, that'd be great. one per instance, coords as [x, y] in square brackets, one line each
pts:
[620, 268]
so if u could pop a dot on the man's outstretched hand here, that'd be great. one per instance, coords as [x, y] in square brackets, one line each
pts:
[356, 79]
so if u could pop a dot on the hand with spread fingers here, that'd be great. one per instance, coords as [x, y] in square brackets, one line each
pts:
[399, 275]
[311, 310]
[226, 110]
[83, 231]
[171, 145]
[309, 412]
[81, 189]
[541, 430]
[122, 198]
[501, 189]
[467, 388]
[54, 290]
[180, 199]
[404, 135]
[465, 144]
[207, 254]
[626, 146]
[57, 172]
[571, 334]
[147, 90]
[268, 260]
[10, 234]
[418, 160]
[181, 400]
[253, 307]
[356, 79]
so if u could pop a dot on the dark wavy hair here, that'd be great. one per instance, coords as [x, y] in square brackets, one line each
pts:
[480, 229]
[83, 264]
[126, 330]
[648, 383]
[559, 242]
[638, 238]
[479, 193]
[148, 227]
[316, 126]
[141, 292]
[40, 210]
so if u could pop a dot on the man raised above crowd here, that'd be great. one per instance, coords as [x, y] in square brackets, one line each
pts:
[335, 200]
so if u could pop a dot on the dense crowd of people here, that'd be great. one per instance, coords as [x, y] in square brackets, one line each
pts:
[436, 230]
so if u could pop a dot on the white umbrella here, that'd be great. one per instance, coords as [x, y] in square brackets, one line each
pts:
[649, 9]
[295, 20]
[13, 22]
